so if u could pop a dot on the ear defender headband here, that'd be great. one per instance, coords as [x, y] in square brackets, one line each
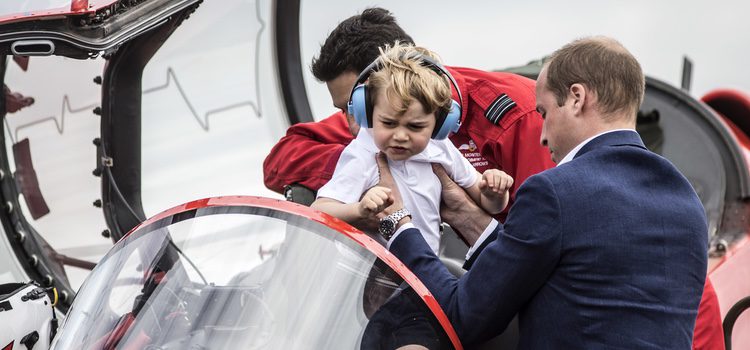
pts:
[360, 103]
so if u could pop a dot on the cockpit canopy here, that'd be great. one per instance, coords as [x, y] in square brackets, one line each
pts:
[234, 276]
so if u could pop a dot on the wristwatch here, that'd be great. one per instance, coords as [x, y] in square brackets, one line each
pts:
[388, 224]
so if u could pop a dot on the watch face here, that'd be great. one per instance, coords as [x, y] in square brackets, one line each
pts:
[386, 227]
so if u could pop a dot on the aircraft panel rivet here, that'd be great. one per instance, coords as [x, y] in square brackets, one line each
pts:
[9, 207]
[64, 296]
[48, 280]
[34, 260]
[721, 246]
[21, 236]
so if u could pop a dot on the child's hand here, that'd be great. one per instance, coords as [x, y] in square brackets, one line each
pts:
[374, 201]
[495, 183]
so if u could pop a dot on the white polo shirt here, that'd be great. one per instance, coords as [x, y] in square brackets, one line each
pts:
[357, 171]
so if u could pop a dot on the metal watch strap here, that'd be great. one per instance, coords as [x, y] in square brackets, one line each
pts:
[389, 223]
[398, 215]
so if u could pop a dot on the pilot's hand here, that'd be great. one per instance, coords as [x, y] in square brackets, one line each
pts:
[386, 180]
[495, 183]
[459, 210]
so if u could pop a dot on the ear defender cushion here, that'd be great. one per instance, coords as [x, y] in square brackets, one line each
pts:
[369, 105]
[450, 124]
[358, 106]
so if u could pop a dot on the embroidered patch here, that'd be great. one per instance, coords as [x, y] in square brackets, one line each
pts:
[498, 108]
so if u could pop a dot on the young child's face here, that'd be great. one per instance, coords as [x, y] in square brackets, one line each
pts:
[401, 136]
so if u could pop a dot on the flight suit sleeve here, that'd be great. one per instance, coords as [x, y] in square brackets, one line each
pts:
[521, 153]
[709, 334]
[307, 155]
[356, 171]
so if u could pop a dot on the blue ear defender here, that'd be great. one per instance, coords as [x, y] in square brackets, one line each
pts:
[450, 124]
[360, 105]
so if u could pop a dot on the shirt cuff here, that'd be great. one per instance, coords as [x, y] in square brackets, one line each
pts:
[403, 227]
[487, 232]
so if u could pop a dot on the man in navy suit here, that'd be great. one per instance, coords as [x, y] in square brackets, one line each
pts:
[606, 250]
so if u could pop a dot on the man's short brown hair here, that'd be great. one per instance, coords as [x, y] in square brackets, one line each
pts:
[604, 66]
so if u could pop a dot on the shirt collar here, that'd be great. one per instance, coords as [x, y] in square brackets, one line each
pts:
[568, 157]
[365, 138]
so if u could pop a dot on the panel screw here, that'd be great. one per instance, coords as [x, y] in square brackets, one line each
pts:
[721, 246]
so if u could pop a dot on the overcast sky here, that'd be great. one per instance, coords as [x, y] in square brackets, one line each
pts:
[497, 34]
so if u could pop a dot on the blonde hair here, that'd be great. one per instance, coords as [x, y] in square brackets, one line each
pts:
[405, 78]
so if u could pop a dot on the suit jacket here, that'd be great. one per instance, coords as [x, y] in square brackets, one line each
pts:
[606, 251]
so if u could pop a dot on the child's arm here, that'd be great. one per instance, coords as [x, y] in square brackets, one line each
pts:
[373, 201]
[491, 191]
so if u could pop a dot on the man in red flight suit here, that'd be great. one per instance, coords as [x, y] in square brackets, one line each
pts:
[500, 128]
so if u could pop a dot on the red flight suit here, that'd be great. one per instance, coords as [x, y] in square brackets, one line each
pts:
[308, 154]
[709, 334]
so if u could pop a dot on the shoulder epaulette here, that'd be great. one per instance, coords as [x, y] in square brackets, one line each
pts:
[498, 108]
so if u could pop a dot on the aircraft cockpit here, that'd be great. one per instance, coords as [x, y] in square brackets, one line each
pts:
[243, 272]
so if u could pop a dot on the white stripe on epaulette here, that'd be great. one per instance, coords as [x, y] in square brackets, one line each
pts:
[498, 108]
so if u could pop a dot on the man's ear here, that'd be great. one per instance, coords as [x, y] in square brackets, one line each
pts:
[578, 94]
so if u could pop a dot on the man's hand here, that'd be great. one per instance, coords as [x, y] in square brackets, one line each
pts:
[372, 221]
[495, 183]
[459, 210]
[386, 180]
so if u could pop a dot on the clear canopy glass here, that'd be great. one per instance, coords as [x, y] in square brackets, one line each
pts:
[230, 278]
